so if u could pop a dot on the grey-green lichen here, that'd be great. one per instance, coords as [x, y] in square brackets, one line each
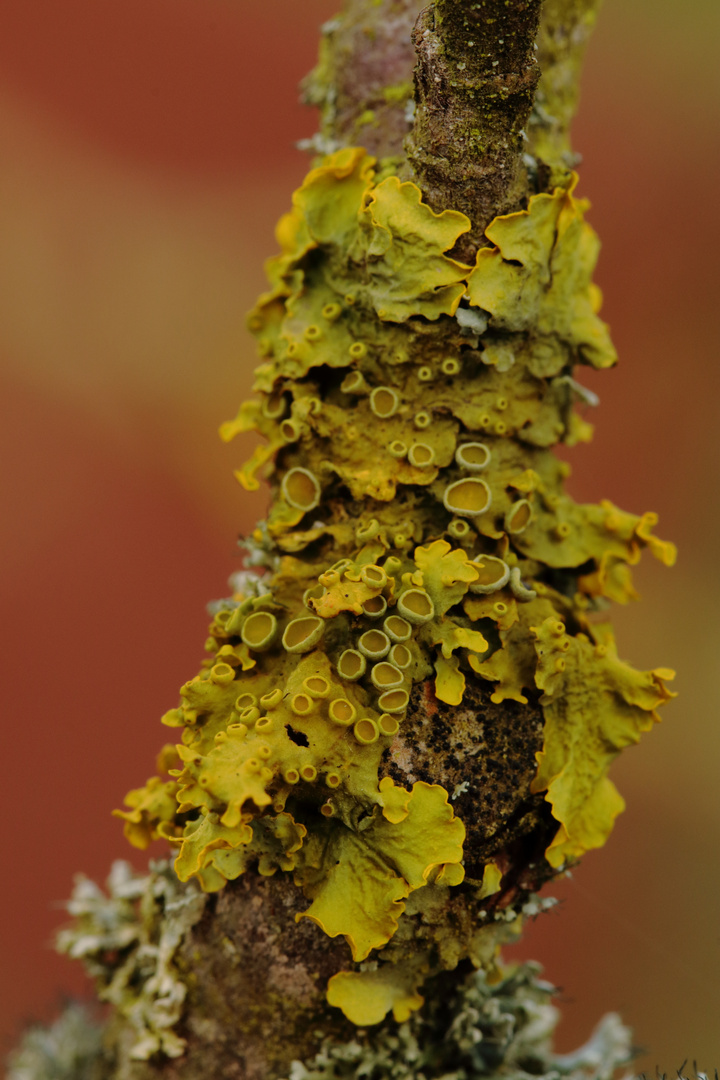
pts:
[500, 1030]
[71, 1048]
[127, 940]
[565, 28]
[361, 89]
[479, 1029]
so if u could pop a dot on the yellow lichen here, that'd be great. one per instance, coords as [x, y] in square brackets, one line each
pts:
[446, 573]
[539, 276]
[449, 681]
[358, 880]
[395, 800]
[594, 706]
[419, 539]
[151, 807]
[492, 876]
[366, 997]
[404, 242]
[209, 834]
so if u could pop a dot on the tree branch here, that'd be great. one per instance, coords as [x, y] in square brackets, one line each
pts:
[363, 83]
[386, 363]
[475, 84]
[565, 30]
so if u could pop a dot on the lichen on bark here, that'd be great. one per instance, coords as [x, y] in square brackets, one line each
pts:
[565, 29]
[404, 725]
[363, 83]
[475, 84]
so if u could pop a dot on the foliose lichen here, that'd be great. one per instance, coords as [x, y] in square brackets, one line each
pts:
[127, 940]
[419, 532]
[503, 1029]
[71, 1048]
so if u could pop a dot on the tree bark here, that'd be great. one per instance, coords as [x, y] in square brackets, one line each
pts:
[475, 84]
[363, 83]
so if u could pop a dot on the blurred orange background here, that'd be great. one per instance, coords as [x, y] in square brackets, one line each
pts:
[147, 150]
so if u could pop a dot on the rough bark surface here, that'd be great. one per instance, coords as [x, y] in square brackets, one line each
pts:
[256, 987]
[484, 755]
[475, 84]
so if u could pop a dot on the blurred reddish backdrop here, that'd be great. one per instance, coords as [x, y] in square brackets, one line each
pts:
[147, 151]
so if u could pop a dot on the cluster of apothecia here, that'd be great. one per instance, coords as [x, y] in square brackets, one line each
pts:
[418, 531]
